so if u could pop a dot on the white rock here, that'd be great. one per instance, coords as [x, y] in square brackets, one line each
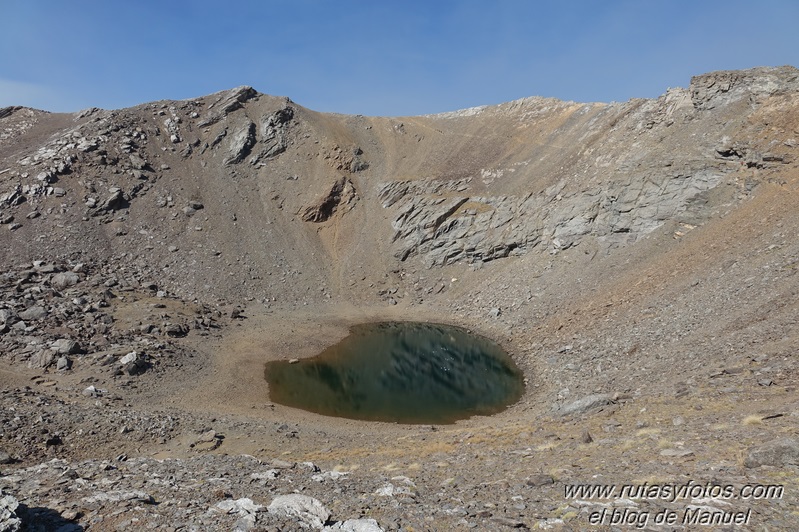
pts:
[329, 475]
[130, 357]
[9, 522]
[91, 391]
[308, 510]
[239, 506]
[356, 525]
[117, 496]
[269, 474]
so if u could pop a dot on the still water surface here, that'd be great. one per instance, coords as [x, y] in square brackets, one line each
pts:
[404, 372]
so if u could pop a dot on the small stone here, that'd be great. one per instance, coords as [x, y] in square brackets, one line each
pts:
[63, 364]
[540, 480]
[137, 162]
[586, 437]
[509, 522]
[208, 436]
[91, 391]
[494, 312]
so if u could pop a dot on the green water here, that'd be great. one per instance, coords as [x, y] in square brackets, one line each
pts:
[402, 372]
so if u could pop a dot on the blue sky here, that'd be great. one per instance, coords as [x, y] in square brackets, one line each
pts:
[379, 57]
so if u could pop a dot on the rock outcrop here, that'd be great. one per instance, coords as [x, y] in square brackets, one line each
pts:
[341, 198]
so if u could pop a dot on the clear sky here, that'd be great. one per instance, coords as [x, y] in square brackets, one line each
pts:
[379, 57]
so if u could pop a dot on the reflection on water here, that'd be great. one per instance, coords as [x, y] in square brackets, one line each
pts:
[403, 372]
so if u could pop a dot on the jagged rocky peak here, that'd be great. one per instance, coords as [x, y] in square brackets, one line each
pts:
[725, 86]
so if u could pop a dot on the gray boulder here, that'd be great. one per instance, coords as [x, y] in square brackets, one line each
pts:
[33, 313]
[356, 525]
[244, 508]
[586, 403]
[9, 522]
[780, 452]
[64, 280]
[307, 510]
[65, 346]
[42, 359]
[7, 315]
[134, 363]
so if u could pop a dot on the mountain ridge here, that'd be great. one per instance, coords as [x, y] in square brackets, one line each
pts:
[636, 259]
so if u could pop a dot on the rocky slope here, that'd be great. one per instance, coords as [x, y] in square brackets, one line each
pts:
[638, 260]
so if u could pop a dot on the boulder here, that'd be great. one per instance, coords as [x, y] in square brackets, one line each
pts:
[586, 403]
[115, 200]
[42, 359]
[136, 496]
[64, 280]
[8, 315]
[239, 506]
[307, 510]
[65, 346]
[782, 452]
[9, 522]
[356, 525]
[134, 363]
[33, 313]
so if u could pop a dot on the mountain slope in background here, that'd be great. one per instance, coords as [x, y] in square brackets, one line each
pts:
[637, 259]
